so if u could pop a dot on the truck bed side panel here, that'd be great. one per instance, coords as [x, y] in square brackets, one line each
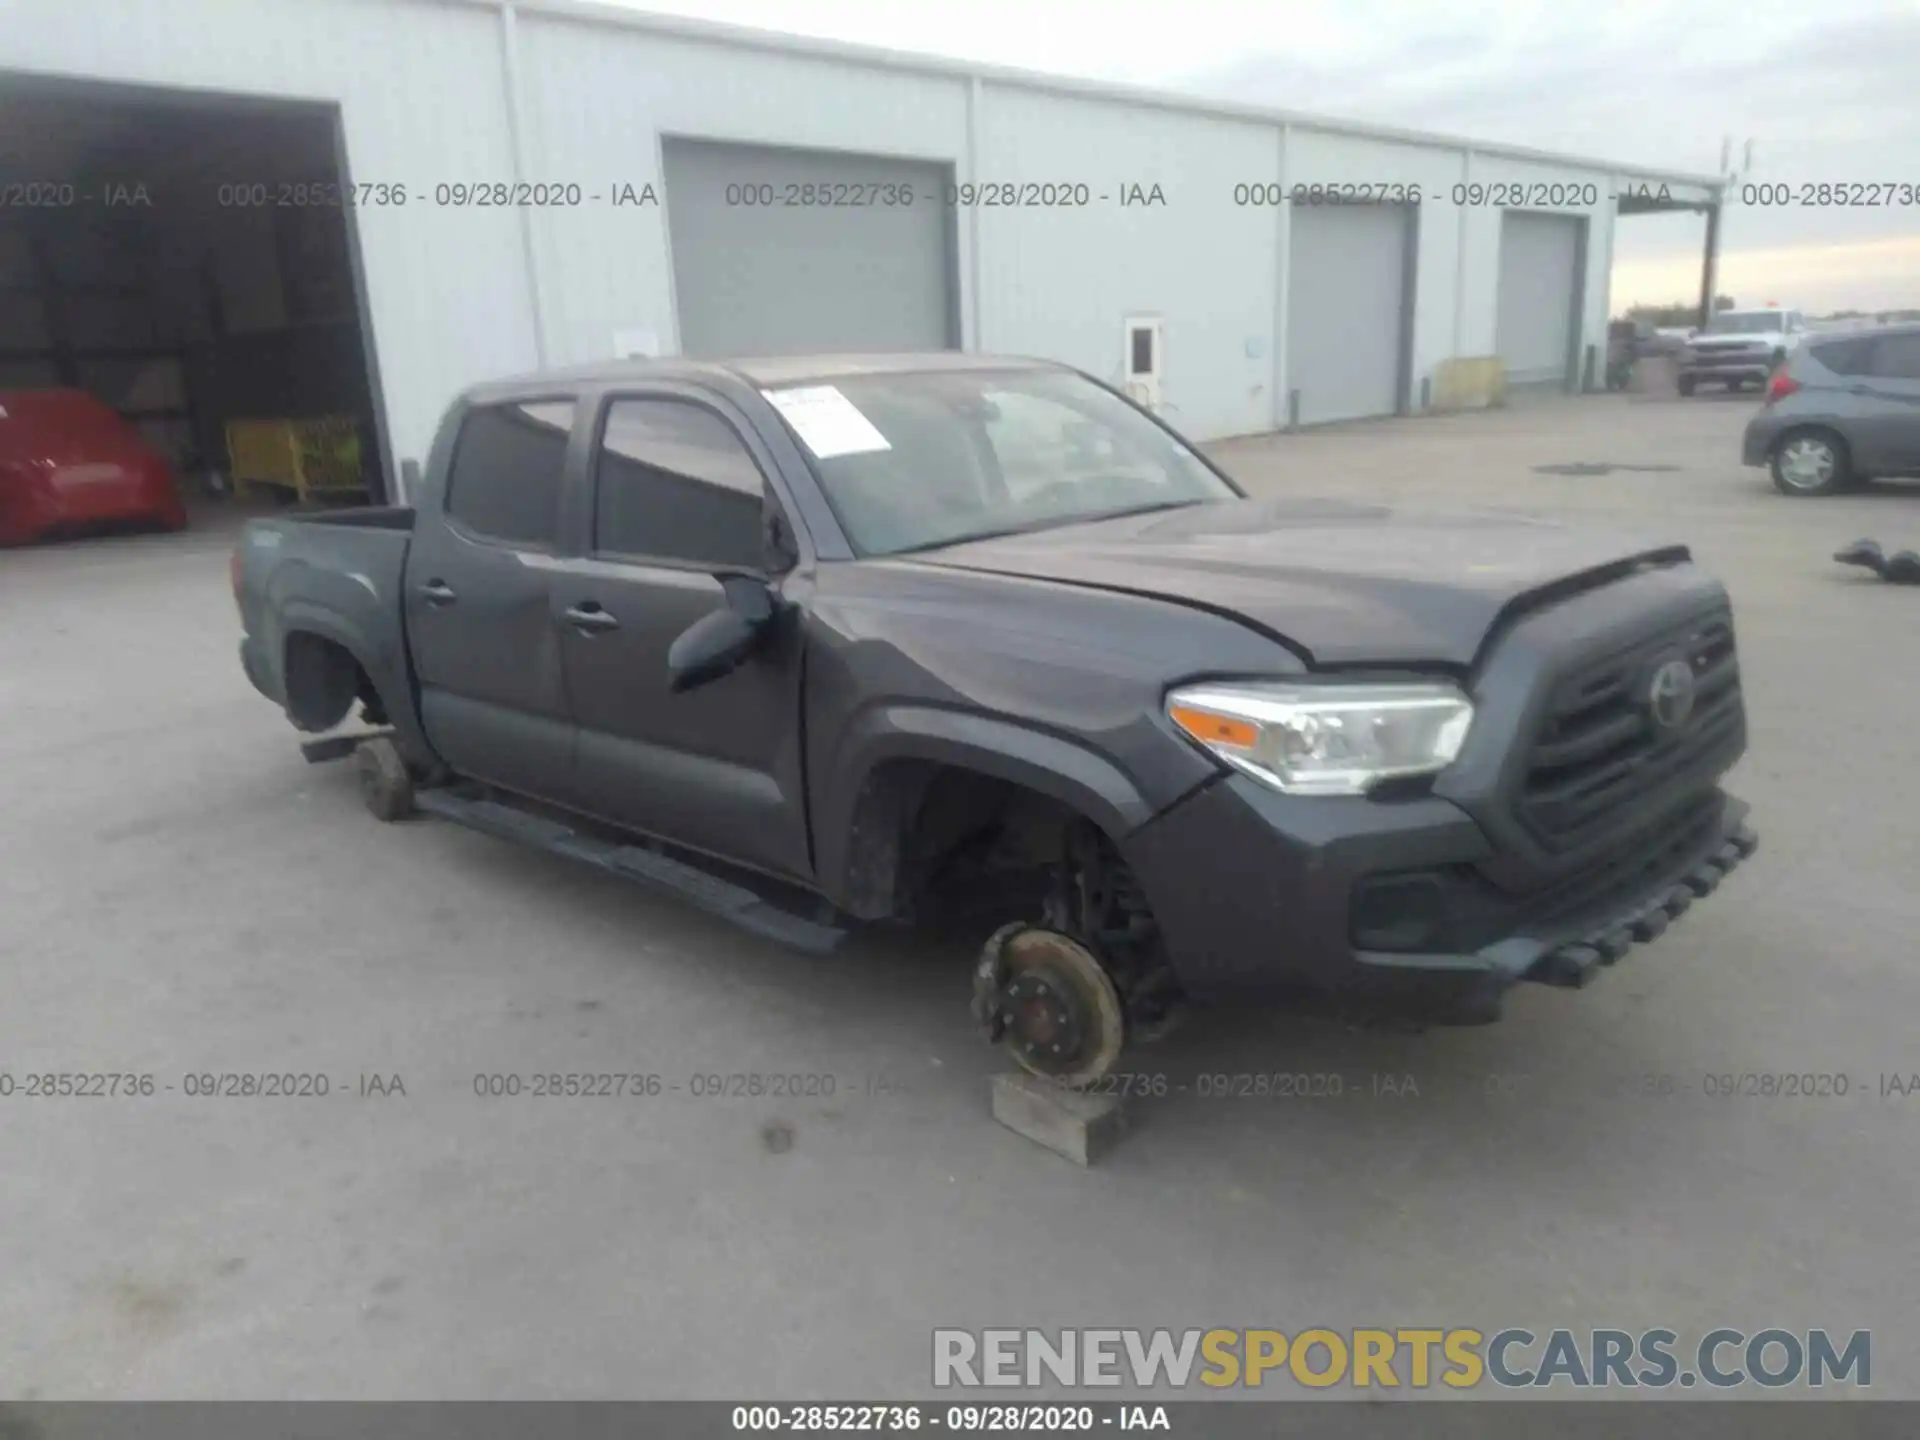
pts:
[339, 582]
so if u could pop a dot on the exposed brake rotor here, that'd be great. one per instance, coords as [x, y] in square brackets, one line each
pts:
[1049, 1001]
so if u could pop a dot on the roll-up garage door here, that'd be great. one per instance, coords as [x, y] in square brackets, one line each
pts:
[781, 252]
[1348, 292]
[1538, 305]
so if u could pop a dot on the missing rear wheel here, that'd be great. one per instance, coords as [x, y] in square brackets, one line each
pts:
[385, 782]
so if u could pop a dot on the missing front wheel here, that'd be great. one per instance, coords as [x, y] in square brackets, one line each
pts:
[1046, 998]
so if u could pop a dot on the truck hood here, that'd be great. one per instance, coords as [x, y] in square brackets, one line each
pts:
[1341, 584]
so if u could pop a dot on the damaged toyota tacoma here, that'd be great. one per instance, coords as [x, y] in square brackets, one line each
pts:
[816, 642]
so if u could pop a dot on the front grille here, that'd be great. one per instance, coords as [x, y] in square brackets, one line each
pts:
[1598, 751]
[1728, 347]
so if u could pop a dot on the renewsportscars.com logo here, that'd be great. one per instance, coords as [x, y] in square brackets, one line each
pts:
[1402, 1358]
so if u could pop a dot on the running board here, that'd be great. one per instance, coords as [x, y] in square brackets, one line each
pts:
[720, 897]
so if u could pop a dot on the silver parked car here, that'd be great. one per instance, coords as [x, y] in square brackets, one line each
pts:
[1844, 409]
[1740, 348]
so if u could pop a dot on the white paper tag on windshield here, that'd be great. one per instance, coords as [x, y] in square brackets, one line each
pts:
[827, 422]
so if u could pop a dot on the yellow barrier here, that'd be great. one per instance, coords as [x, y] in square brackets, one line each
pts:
[1469, 383]
[320, 456]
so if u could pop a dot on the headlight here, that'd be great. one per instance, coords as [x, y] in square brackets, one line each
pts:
[1325, 739]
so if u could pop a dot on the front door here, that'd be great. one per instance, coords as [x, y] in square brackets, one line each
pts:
[679, 491]
[479, 602]
[1891, 424]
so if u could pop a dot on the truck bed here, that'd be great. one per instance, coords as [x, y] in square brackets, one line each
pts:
[362, 517]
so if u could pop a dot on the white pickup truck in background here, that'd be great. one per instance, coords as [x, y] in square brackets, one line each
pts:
[1740, 346]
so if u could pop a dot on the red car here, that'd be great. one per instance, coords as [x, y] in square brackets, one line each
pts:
[69, 464]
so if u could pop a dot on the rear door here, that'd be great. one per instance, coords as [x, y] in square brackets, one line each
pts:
[679, 490]
[1894, 386]
[480, 603]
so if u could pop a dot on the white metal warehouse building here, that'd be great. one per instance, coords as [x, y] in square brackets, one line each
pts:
[642, 141]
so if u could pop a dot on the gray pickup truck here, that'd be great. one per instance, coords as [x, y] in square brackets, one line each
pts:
[814, 642]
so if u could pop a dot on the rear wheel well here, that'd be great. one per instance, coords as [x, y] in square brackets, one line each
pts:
[1844, 476]
[324, 681]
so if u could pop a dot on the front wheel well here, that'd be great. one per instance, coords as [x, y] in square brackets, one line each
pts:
[970, 850]
[1827, 433]
[324, 681]
[923, 831]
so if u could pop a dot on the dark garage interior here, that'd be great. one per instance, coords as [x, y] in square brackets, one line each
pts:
[188, 261]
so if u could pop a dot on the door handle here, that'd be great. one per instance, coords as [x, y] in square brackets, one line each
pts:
[438, 592]
[1859, 390]
[589, 618]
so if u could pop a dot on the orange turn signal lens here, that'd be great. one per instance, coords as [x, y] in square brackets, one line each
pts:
[1210, 728]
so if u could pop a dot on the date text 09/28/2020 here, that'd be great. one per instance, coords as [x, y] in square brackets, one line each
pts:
[47, 193]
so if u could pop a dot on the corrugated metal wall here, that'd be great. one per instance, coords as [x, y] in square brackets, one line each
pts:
[419, 88]
[459, 293]
[1348, 302]
[783, 252]
[596, 102]
[1125, 212]
[1538, 296]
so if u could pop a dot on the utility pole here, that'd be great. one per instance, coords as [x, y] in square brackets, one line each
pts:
[1710, 267]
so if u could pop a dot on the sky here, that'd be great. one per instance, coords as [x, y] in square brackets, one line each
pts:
[1826, 91]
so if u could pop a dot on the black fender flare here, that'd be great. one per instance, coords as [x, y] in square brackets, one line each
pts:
[389, 672]
[860, 817]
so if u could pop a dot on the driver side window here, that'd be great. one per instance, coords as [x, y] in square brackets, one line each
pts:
[673, 482]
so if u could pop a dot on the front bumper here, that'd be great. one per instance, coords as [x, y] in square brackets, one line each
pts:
[1262, 899]
[1756, 366]
[1756, 444]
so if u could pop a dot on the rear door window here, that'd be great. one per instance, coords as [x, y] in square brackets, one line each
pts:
[504, 484]
[1897, 357]
[1845, 357]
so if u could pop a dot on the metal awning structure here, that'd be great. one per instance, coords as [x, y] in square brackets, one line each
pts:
[1650, 197]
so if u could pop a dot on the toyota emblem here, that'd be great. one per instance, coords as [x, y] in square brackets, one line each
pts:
[1670, 696]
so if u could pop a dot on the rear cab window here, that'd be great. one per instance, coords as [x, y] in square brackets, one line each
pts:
[504, 482]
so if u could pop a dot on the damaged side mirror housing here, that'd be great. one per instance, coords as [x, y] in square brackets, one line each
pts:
[720, 642]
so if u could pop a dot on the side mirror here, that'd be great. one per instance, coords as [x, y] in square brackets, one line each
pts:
[776, 536]
[719, 643]
[1692, 331]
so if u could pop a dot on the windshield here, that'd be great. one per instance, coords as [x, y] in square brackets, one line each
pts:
[916, 461]
[1743, 322]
